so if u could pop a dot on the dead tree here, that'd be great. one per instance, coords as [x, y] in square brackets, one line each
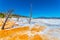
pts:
[30, 13]
[9, 12]
[18, 18]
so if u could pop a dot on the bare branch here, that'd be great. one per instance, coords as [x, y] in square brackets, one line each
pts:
[9, 12]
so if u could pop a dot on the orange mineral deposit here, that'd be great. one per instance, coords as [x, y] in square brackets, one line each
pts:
[42, 28]
[20, 37]
[8, 24]
[17, 34]
[36, 37]
[37, 29]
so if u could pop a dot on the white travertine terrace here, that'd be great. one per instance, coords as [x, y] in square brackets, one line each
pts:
[48, 29]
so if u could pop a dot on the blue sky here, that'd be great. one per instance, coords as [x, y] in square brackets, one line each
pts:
[40, 8]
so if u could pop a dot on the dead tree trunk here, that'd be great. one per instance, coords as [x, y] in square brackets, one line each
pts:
[9, 12]
[30, 14]
[18, 18]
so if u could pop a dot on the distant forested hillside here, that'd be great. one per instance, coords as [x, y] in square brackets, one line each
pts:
[47, 18]
[2, 15]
